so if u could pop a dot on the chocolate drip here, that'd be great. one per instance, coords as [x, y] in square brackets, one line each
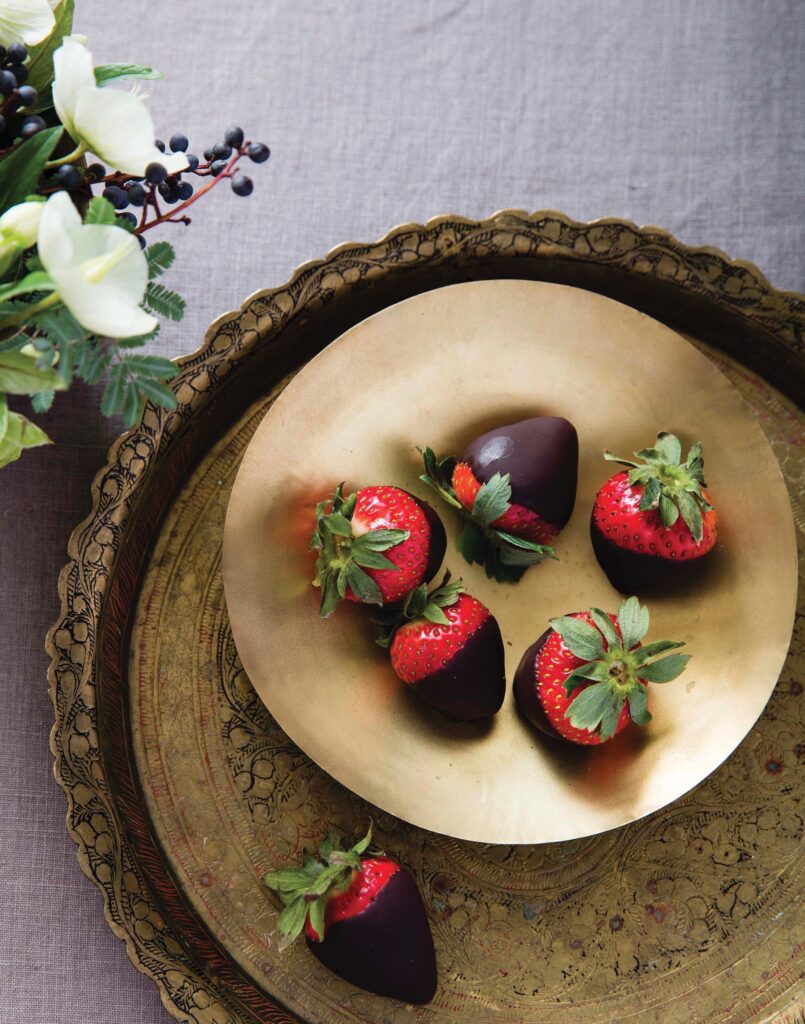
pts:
[386, 948]
[525, 688]
[473, 683]
[541, 455]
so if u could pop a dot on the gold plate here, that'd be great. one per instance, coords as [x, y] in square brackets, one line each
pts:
[441, 368]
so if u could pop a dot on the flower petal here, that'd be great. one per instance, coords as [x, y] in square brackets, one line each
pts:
[73, 72]
[25, 21]
[118, 128]
[101, 308]
[20, 223]
[127, 267]
[58, 225]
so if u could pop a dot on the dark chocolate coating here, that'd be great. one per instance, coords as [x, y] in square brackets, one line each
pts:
[438, 540]
[541, 456]
[525, 688]
[632, 572]
[387, 948]
[473, 683]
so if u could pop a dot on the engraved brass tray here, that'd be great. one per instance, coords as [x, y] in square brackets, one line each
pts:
[694, 913]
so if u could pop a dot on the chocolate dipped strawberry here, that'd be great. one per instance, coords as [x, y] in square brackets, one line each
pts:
[446, 646]
[374, 546]
[363, 918]
[653, 522]
[587, 676]
[515, 487]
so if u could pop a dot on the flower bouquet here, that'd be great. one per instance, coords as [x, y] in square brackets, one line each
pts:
[82, 179]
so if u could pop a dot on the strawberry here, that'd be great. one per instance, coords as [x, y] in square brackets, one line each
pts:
[653, 523]
[587, 676]
[374, 546]
[515, 488]
[363, 918]
[447, 647]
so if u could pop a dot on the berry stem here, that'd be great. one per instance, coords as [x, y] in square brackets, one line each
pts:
[172, 216]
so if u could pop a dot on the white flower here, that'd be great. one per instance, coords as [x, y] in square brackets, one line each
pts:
[99, 270]
[25, 21]
[114, 125]
[19, 227]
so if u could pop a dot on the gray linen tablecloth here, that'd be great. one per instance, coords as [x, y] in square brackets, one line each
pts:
[689, 115]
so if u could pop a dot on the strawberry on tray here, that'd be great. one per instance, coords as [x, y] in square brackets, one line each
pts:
[447, 647]
[363, 918]
[653, 523]
[374, 546]
[587, 676]
[515, 488]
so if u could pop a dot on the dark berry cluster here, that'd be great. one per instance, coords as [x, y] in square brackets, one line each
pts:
[156, 186]
[17, 121]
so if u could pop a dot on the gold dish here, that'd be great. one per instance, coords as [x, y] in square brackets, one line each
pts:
[440, 369]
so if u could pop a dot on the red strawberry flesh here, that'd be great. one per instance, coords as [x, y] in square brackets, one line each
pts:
[417, 558]
[363, 891]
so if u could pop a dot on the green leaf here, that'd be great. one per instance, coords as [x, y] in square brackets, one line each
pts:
[155, 367]
[42, 400]
[651, 455]
[642, 654]
[19, 434]
[651, 494]
[100, 211]
[163, 301]
[604, 623]
[433, 613]
[621, 462]
[611, 717]
[287, 879]
[472, 544]
[363, 586]
[337, 524]
[3, 414]
[589, 707]
[691, 513]
[521, 542]
[137, 341]
[40, 57]
[329, 596]
[332, 841]
[38, 281]
[669, 448]
[372, 559]
[363, 844]
[20, 375]
[492, 500]
[160, 257]
[291, 921]
[20, 170]
[316, 911]
[580, 637]
[93, 359]
[633, 622]
[596, 671]
[666, 669]
[133, 405]
[382, 540]
[518, 556]
[106, 73]
[669, 513]
[157, 393]
[638, 706]
[114, 394]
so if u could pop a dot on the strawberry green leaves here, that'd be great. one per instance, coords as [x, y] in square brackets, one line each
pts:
[671, 486]
[419, 604]
[306, 890]
[616, 665]
[504, 556]
[343, 557]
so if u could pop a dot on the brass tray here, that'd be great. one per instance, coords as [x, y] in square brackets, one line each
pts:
[692, 914]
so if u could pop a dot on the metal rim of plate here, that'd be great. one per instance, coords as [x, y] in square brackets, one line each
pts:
[727, 303]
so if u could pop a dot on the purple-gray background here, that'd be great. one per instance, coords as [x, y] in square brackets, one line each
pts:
[689, 115]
